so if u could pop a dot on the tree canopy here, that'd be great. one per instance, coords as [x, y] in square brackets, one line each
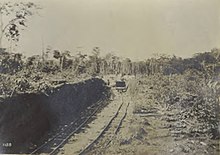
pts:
[13, 19]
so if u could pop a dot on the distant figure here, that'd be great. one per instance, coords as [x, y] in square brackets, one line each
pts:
[108, 82]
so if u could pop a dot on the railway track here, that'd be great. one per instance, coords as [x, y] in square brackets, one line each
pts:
[52, 145]
[98, 145]
[102, 141]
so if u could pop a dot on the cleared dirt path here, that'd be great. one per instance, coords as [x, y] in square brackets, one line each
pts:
[147, 128]
[79, 141]
[99, 146]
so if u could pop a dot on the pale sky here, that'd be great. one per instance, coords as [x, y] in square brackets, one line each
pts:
[130, 28]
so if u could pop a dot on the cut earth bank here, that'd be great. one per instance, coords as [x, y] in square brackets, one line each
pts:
[26, 119]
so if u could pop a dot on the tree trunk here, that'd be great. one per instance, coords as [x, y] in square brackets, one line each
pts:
[1, 29]
[61, 63]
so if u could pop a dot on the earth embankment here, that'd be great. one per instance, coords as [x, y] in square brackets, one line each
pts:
[25, 119]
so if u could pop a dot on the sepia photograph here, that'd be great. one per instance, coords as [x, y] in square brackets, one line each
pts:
[110, 77]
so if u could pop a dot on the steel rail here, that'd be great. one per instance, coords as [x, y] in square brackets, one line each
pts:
[88, 147]
[65, 129]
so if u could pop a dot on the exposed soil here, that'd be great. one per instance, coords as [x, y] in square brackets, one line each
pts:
[26, 119]
[167, 115]
[154, 128]
[158, 120]
[90, 132]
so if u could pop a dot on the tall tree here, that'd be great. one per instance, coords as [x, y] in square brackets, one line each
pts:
[62, 56]
[126, 66]
[95, 61]
[80, 63]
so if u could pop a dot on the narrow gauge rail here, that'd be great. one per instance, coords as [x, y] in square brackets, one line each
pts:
[109, 131]
[52, 145]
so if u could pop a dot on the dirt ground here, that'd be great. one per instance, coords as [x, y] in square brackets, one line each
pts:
[153, 125]
[146, 131]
